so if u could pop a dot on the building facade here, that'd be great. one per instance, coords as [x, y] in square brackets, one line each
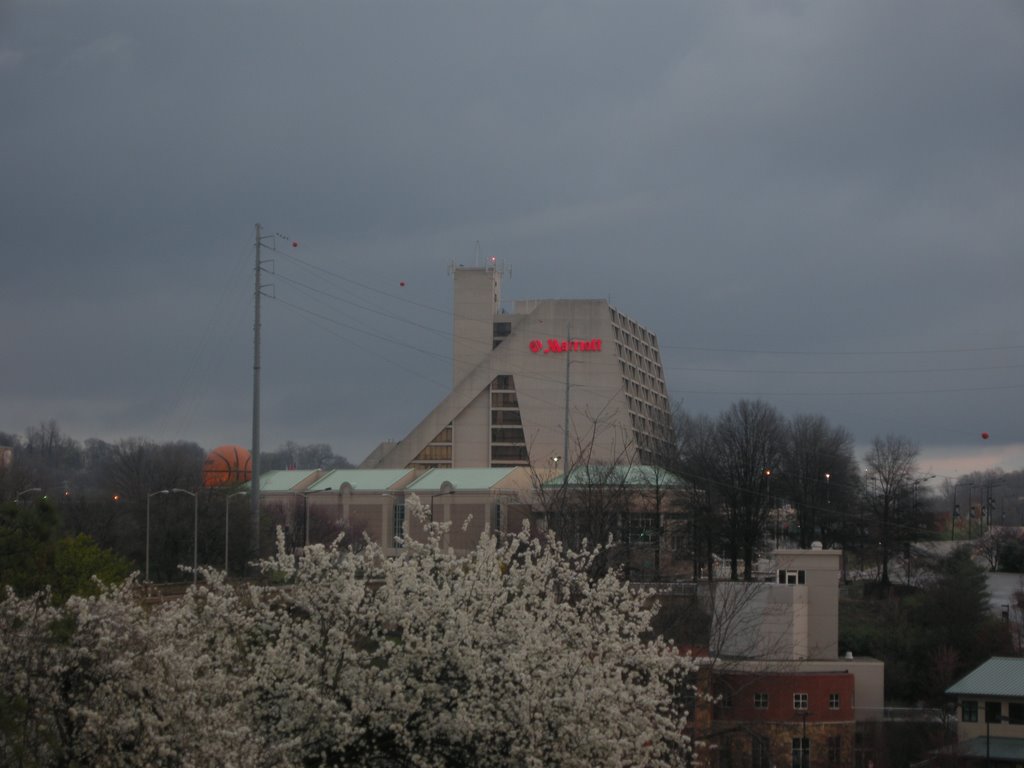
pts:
[784, 694]
[990, 709]
[554, 380]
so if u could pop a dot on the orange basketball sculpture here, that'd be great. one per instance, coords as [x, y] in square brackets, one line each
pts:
[227, 465]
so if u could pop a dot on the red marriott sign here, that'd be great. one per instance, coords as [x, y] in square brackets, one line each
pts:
[562, 345]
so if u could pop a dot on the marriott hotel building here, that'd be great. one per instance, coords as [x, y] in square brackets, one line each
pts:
[520, 380]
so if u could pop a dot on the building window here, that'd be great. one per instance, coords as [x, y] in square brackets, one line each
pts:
[504, 400]
[510, 453]
[993, 711]
[398, 524]
[835, 748]
[497, 517]
[643, 529]
[801, 753]
[799, 701]
[507, 435]
[504, 418]
[791, 577]
[503, 382]
[833, 701]
[1016, 713]
[760, 752]
[725, 697]
[760, 701]
[969, 711]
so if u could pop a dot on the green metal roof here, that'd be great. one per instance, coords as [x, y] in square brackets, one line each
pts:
[360, 479]
[999, 677]
[637, 476]
[280, 480]
[480, 479]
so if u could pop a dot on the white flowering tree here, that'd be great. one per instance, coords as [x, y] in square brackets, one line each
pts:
[510, 655]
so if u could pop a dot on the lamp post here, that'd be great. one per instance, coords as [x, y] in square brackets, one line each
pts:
[805, 747]
[768, 480]
[26, 491]
[956, 510]
[227, 506]
[305, 506]
[1000, 718]
[195, 531]
[437, 496]
[148, 497]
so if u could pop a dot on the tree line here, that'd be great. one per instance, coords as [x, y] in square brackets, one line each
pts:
[101, 490]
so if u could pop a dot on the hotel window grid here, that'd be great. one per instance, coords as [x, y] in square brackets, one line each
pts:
[508, 439]
[833, 701]
[799, 701]
[438, 452]
[760, 701]
[398, 523]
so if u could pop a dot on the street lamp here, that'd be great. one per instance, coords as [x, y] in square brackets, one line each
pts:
[956, 510]
[227, 506]
[27, 490]
[768, 480]
[1000, 718]
[195, 531]
[305, 505]
[449, 492]
[148, 497]
[805, 747]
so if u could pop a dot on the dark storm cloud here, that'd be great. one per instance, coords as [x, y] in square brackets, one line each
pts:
[748, 179]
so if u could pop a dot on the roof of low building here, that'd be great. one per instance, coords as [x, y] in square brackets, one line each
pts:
[280, 480]
[360, 479]
[478, 479]
[1000, 676]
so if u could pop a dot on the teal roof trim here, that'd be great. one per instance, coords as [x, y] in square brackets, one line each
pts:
[280, 480]
[360, 479]
[1000, 676]
[480, 479]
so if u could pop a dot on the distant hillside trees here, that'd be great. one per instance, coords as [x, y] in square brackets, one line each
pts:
[931, 635]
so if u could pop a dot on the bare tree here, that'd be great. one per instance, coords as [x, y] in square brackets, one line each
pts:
[817, 475]
[891, 465]
[749, 436]
[700, 467]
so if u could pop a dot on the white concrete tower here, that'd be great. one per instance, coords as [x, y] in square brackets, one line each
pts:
[477, 301]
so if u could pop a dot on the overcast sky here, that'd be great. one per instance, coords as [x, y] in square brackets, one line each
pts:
[818, 204]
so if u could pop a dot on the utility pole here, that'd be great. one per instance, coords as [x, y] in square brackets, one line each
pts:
[254, 547]
[565, 436]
